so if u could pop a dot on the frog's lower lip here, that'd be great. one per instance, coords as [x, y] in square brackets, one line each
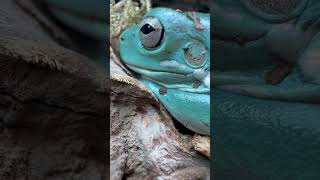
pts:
[144, 71]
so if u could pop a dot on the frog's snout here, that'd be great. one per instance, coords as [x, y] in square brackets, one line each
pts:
[123, 38]
[127, 35]
[126, 43]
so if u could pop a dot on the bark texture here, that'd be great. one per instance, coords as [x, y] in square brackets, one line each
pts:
[53, 103]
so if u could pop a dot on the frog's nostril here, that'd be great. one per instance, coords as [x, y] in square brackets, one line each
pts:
[121, 38]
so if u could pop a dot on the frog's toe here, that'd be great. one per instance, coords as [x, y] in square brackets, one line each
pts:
[201, 144]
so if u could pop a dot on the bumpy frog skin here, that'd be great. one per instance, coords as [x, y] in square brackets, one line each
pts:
[266, 130]
[170, 52]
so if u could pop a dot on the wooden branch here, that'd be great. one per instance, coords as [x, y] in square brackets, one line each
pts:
[53, 104]
[144, 142]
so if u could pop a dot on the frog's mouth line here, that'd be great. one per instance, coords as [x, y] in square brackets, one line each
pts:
[146, 71]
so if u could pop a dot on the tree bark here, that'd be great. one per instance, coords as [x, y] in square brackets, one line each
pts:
[53, 104]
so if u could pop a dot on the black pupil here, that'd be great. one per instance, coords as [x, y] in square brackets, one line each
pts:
[146, 29]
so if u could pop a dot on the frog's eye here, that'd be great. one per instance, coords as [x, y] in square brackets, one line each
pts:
[151, 32]
[275, 10]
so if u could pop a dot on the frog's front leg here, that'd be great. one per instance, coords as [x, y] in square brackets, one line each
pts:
[190, 109]
[310, 61]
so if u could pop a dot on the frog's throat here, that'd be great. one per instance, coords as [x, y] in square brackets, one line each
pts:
[182, 87]
[192, 110]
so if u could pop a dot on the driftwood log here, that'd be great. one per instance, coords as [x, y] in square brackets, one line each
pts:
[53, 101]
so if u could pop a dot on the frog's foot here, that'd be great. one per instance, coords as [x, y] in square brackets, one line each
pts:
[278, 74]
[201, 144]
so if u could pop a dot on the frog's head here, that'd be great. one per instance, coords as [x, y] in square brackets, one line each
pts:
[168, 45]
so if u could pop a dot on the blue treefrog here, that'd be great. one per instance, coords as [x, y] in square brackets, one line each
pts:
[170, 52]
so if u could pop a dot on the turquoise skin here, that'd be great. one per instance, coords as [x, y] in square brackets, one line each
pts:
[265, 131]
[178, 69]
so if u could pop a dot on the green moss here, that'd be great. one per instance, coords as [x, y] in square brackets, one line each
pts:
[126, 13]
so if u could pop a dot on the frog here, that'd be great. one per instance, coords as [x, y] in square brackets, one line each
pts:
[266, 89]
[169, 51]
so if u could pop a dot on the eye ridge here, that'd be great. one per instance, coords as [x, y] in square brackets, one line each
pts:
[146, 29]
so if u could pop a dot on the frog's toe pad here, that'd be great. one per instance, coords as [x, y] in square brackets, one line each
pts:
[202, 144]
